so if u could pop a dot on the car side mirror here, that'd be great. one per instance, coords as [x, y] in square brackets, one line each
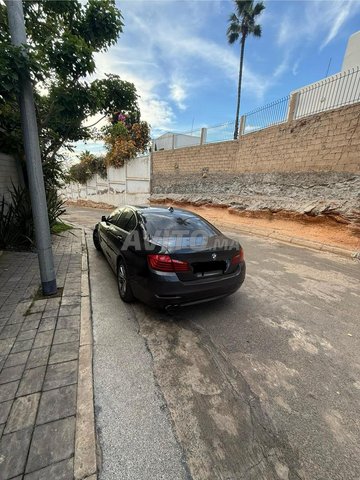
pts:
[103, 218]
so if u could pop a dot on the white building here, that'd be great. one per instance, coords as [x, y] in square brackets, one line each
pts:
[334, 91]
[169, 140]
[352, 53]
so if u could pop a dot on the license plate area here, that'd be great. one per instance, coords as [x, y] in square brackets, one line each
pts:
[207, 269]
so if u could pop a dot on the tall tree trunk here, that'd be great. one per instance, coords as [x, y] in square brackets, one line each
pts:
[236, 130]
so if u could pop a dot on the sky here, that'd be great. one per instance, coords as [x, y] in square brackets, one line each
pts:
[177, 55]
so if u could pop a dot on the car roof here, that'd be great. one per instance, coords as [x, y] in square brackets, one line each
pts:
[159, 209]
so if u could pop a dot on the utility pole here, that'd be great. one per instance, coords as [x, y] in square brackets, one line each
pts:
[33, 156]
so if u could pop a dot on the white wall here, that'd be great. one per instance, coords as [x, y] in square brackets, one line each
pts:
[335, 91]
[352, 53]
[129, 184]
[10, 172]
[165, 142]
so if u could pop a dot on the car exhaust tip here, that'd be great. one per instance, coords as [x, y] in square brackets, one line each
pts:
[171, 309]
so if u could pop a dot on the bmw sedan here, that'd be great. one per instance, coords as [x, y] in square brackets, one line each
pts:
[169, 257]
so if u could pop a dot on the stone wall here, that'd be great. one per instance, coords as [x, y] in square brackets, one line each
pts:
[327, 142]
[310, 166]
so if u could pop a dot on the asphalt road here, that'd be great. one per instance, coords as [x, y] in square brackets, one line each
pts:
[262, 385]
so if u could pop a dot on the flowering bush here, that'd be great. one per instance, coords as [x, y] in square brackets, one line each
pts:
[125, 137]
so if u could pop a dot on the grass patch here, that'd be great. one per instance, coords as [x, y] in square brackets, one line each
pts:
[60, 227]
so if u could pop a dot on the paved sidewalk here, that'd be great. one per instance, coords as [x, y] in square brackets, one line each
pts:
[39, 367]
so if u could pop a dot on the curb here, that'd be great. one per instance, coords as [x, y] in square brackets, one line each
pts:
[85, 464]
[298, 241]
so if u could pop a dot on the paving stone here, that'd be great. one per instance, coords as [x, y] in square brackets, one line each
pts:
[15, 318]
[22, 346]
[31, 381]
[69, 310]
[64, 352]
[6, 345]
[5, 410]
[12, 373]
[50, 313]
[32, 317]
[30, 325]
[63, 470]
[66, 335]
[73, 300]
[8, 391]
[27, 335]
[2, 361]
[43, 339]
[72, 321]
[13, 453]
[38, 357]
[38, 306]
[17, 359]
[47, 324]
[51, 443]
[52, 303]
[60, 374]
[10, 331]
[56, 404]
[23, 413]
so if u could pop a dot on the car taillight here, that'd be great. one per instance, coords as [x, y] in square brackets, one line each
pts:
[238, 258]
[164, 263]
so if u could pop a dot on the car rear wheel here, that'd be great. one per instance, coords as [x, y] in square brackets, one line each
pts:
[123, 283]
[96, 239]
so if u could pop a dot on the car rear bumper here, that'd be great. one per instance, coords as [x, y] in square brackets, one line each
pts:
[168, 290]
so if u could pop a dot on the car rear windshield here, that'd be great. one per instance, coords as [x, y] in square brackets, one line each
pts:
[176, 223]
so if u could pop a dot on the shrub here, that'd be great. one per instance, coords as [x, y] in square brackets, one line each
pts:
[16, 221]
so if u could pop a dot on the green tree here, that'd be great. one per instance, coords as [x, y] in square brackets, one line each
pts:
[63, 36]
[242, 23]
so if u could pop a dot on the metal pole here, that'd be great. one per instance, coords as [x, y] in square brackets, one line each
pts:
[33, 157]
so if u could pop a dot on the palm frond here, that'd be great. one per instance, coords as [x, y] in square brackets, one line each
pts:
[233, 37]
[259, 7]
[243, 6]
[256, 31]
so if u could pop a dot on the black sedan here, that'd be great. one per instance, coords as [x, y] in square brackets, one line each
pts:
[169, 257]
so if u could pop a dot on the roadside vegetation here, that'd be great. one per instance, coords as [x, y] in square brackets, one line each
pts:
[63, 37]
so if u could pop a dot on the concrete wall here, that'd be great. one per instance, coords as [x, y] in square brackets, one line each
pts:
[329, 141]
[10, 172]
[127, 185]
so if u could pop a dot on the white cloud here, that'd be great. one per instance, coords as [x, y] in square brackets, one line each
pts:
[178, 94]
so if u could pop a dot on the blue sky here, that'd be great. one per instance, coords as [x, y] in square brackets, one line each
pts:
[176, 53]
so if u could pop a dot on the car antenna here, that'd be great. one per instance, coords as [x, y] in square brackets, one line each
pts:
[171, 209]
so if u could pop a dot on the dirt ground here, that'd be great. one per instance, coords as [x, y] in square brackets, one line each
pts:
[318, 229]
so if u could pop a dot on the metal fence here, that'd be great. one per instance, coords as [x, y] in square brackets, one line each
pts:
[332, 92]
[271, 114]
[220, 133]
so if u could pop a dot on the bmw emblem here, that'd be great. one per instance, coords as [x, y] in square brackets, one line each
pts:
[213, 256]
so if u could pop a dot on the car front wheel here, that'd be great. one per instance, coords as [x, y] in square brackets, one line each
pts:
[123, 283]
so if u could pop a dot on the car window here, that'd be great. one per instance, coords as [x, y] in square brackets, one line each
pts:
[112, 218]
[126, 221]
[168, 223]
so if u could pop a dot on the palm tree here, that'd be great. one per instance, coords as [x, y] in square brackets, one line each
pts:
[241, 24]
